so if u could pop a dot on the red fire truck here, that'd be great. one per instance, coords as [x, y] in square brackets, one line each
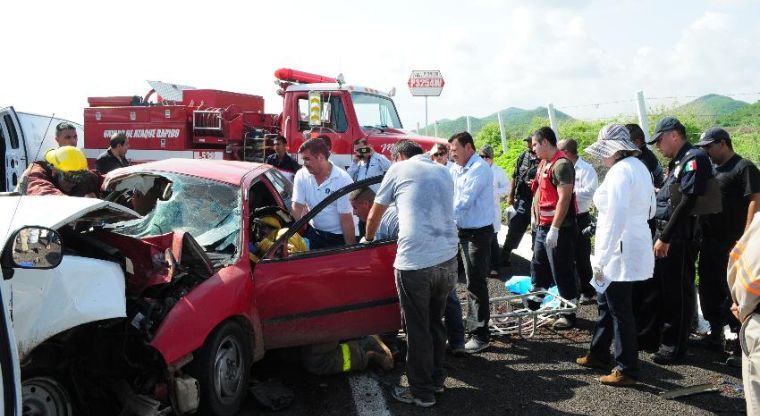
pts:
[185, 122]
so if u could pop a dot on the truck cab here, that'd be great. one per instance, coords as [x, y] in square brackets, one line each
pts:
[348, 113]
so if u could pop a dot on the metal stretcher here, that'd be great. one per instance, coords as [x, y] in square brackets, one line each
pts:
[510, 315]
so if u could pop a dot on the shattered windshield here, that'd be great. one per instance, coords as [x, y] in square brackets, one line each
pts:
[210, 211]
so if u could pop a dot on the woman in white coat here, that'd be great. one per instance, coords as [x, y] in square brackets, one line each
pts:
[622, 252]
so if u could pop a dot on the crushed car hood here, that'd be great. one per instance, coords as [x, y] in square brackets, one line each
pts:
[49, 211]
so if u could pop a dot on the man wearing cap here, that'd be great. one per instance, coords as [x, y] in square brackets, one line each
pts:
[739, 181]
[646, 156]
[63, 172]
[520, 199]
[65, 134]
[665, 320]
[116, 156]
[586, 182]
[554, 210]
[501, 186]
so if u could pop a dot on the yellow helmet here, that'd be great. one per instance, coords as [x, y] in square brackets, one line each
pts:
[67, 159]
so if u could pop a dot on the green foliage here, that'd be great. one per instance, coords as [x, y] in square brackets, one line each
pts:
[515, 119]
[744, 117]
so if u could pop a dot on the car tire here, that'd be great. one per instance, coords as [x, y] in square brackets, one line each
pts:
[44, 396]
[222, 367]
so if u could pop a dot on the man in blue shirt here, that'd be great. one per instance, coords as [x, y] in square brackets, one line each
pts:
[473, 213]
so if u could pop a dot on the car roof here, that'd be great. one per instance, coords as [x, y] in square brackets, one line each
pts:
[228, 171]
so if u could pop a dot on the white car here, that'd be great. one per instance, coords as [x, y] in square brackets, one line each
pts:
[48, 292]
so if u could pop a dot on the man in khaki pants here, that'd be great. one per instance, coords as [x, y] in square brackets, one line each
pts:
[744, 281]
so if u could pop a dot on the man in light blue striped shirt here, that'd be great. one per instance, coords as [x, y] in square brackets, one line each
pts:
[473, 212]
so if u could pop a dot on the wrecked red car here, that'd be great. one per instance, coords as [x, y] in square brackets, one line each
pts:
[199, 311]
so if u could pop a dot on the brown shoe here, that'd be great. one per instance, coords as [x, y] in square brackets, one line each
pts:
[617, 378]
[591, 361]
[377, 352]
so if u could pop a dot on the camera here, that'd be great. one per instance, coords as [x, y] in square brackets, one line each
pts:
[363, 150]
[591, 229]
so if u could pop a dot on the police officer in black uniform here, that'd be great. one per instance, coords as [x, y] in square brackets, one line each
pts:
[739, 181]
[665, 320]
[520, 198]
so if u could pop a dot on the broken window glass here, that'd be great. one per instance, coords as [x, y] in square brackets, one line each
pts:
[210, 211]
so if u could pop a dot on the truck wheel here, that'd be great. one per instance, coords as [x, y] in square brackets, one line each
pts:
[43, 396]
[222, 368]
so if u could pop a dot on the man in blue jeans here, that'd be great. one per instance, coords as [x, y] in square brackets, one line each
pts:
[425, 273]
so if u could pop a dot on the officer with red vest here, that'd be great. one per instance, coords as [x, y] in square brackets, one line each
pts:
[554, 211]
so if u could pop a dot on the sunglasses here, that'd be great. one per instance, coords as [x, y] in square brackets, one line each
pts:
[439, 154]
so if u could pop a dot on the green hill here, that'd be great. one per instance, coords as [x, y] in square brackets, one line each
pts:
[710, 107]
[515, 119]
[748, 115]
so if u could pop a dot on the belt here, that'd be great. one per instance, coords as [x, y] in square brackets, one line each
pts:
[487, 227]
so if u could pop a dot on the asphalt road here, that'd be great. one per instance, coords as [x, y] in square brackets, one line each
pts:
[535, 376]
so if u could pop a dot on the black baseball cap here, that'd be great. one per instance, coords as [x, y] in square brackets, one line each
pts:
[713, 134]
[666, 124]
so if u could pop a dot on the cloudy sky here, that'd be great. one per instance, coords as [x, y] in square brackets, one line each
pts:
[493, 53]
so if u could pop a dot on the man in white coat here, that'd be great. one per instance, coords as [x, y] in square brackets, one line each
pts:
[501, 188]
[622, 253]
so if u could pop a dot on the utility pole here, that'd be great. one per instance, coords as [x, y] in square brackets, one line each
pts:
[469, 126]
[642, 110]
[435, 128]
[553, 119]
[502, 132]
[426, 117]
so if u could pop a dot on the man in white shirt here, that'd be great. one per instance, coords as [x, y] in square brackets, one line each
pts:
[473, 213]
[586, 183]
[334, 225]
[501, 185]
[367, 163]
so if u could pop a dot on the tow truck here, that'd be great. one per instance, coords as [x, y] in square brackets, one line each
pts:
[185, 122]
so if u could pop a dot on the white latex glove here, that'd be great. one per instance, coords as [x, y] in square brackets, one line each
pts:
[598, 274]
[552, 236]
[365, 241]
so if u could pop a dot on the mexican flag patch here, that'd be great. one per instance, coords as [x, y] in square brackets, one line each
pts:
[690, 166]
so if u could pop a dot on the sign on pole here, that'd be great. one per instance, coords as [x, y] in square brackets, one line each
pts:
[426, 83]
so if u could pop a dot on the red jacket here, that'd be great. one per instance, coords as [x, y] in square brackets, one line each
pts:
[548, 197]
[38, 179]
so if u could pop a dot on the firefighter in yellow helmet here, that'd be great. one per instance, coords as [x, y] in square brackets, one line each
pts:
[62, 172]
[266, 227]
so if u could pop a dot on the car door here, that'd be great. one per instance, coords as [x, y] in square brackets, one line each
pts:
[12, 149]
[326, 295]
[10, 397]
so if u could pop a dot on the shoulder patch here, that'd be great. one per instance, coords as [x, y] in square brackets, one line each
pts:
[690, 166]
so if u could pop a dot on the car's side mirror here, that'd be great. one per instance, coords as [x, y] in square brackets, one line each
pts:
[326, 113]
[33, 248]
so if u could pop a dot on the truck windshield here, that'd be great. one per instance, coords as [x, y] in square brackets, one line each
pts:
[375, 111]
[210, 211]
